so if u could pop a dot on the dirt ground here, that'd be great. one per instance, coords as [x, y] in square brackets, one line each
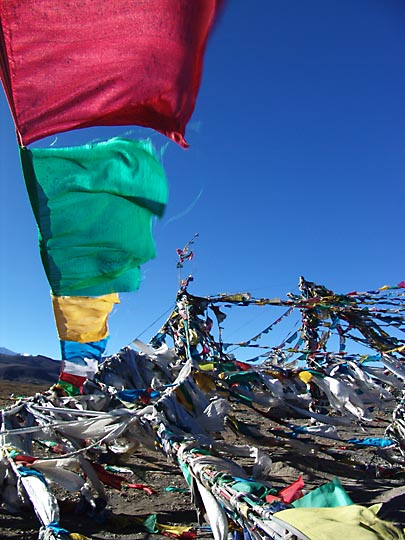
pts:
[366, 477]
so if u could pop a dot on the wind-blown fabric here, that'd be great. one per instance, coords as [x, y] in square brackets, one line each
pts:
[83, 318]
[328, 495]
[71, 350]
[68, 65]
[79, 362]
[94, 206]
[351, 521]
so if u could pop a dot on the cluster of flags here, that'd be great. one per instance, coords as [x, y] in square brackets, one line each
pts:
[184, 400]
[95, 63]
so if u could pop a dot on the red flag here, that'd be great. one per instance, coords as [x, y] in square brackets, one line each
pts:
[68, 65]
[292, 492]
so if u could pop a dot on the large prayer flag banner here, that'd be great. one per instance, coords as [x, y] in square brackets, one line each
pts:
[94, 206]
[68, 65]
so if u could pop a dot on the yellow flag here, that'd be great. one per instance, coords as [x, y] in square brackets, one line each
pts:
[83, 318]
[175, 530]
[305, 376]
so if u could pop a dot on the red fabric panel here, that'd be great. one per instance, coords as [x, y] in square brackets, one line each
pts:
[73, 64]
[110, 479]
[293, 491]
[76, 380]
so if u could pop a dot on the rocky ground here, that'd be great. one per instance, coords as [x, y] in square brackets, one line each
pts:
[366, 476]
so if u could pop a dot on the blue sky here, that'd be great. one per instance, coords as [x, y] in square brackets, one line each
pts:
[296, 167]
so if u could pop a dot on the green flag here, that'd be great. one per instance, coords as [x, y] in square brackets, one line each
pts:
[94, 206]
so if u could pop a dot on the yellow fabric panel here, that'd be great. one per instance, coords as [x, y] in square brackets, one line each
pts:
[305, 376]
[207, 367]
[204, 381]
[173, 530]
[83, 318]
[352, 521]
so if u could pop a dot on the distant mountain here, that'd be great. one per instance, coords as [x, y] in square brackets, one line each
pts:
[28, 369]
[3, 350]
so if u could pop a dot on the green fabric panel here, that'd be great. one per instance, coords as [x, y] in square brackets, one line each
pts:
[329, 495]
[94, 206]
[249, 486]
[69, 388]
[185, 470]
[148, 523]
[241, 377]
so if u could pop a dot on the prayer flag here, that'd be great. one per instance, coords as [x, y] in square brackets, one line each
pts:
[94, 206]
[68, 65]
[83, 318]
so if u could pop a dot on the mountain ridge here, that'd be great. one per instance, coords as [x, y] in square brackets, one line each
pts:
[36, 369]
